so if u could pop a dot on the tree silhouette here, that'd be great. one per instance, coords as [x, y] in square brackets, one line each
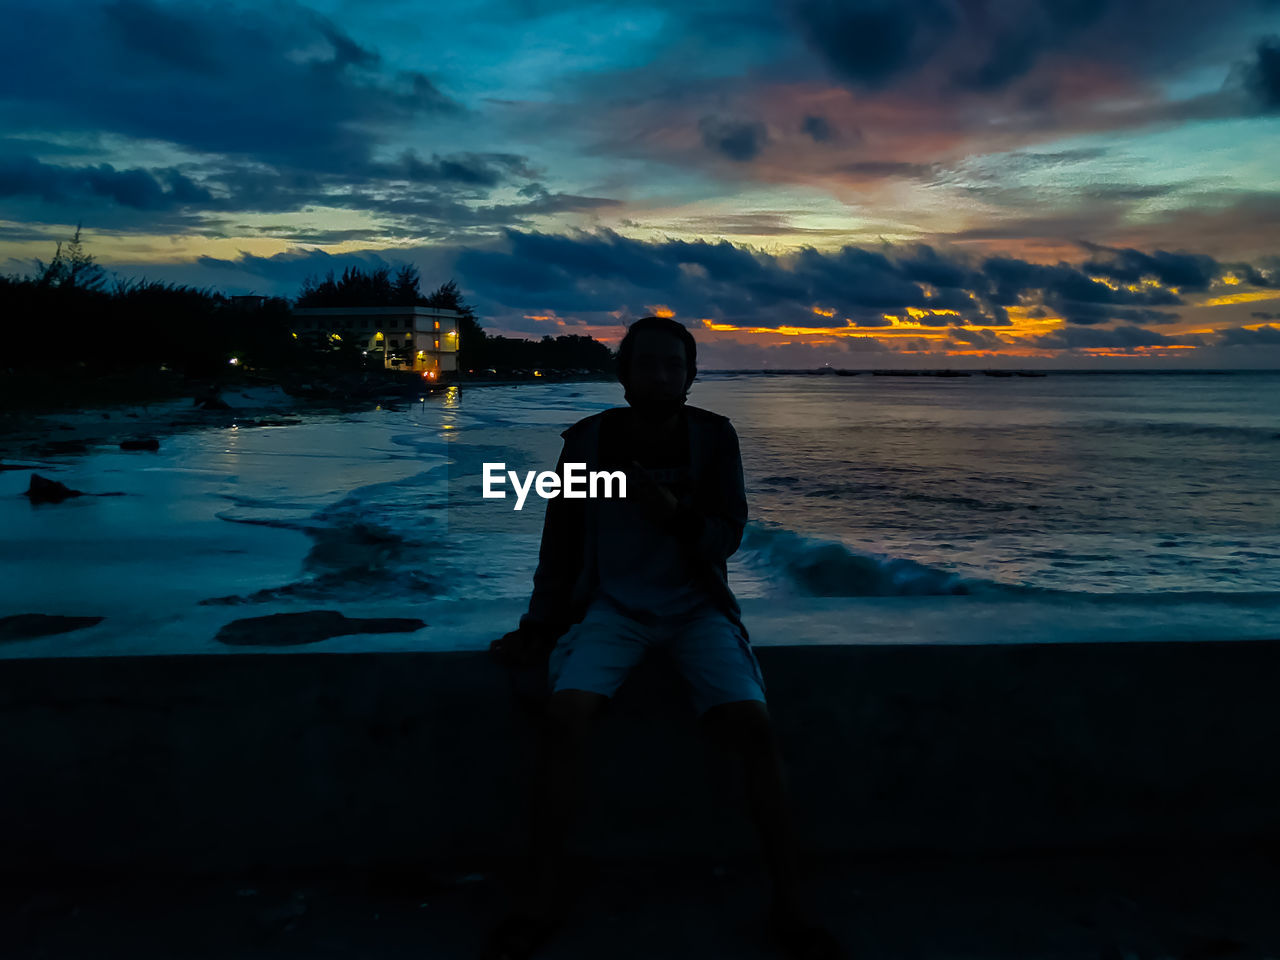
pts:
[570, 351]
[51, 275]
[75, 269]
[355, 289]
[405, 293]
[82, 272]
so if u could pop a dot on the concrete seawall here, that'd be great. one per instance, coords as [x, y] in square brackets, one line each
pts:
[217, 764]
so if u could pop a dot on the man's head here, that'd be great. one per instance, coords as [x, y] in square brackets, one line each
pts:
[657, 361]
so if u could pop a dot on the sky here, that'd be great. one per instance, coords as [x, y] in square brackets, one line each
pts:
[1084, 184]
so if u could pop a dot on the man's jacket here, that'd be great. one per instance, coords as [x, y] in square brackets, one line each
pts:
[708, 525]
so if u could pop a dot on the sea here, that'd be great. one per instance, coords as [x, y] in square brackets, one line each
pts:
[1073, 507]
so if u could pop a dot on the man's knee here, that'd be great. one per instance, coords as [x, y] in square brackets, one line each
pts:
[574, 712]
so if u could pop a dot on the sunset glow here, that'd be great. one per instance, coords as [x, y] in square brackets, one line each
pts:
[736, 168]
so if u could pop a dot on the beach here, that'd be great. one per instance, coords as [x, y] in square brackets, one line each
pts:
[25, 436]
[30, 436]
[922, 509]
[369, 512]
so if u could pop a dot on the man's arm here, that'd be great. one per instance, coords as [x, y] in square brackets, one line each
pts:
[559, 562]
[715, 532]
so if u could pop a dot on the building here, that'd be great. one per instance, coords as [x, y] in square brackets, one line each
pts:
[426, 336]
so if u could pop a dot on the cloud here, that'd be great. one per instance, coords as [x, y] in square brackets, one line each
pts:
[1262, 315]
[1121, 338]
[1262, 74]
[984, 339]
[1267, 276]
[164, 189]
[721, 224]
[1083, 299]
[19, 232]
[593, 277]
[295, 266]
[859, 283]
[958, 49]
[1021, 34]
[1187, 270]
[889, 169]
[818, 128]
[808, 288]
[294, 233]
[1231, 223]
[1091, 313]
[723, 354]
[871, 42]
[280, 84]
[412, 197]
[813, 300]
[468, 169]
[283, 274]
[738, 140]
[603, 271]
[921, 263]
[1268, 334]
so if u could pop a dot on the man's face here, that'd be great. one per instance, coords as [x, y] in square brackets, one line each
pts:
[656, 390]
[657, 365]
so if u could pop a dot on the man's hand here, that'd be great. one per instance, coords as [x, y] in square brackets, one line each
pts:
[521, 648]
[660, 501]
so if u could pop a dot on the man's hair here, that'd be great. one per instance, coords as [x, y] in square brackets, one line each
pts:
[662, 325]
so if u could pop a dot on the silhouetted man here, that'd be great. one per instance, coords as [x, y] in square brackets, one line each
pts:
[616, 577]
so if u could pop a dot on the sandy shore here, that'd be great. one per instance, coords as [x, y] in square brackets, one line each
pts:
[34, 437]
[27, 439]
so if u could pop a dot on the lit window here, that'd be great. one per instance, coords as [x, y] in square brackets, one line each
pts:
[437, 324]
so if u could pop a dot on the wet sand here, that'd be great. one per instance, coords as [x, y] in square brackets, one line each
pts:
[27, 437]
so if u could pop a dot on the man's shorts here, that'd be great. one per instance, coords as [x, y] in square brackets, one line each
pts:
[708, 649]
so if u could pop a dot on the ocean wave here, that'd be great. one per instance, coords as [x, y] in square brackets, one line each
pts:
[816, 567]
[373, 543]
[1256, 598]
[825, 568]
[1185, 429]
[281, 513]
[855, 490]
[354, 559]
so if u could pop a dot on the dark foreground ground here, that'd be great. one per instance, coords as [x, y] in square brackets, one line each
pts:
[1105, 908]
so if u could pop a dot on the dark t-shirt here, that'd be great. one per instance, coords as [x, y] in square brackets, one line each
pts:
[642, 568]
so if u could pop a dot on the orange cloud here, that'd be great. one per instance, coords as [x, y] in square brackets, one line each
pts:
[1241, 298]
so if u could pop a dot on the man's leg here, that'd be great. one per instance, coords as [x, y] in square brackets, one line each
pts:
[557, 792]
[744, 727]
